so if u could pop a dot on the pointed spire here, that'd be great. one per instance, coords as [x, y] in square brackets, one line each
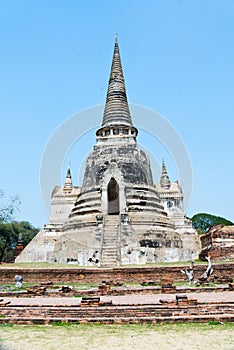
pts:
[68, 182]
[164, 180]
[116, 109]
[164, 169]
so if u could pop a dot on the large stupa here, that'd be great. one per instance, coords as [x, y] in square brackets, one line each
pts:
[119, 216]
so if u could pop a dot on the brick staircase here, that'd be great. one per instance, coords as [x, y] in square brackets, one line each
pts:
[125, 314]
[110, 244]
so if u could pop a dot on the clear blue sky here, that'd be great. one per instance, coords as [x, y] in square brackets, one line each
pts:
[178, 59]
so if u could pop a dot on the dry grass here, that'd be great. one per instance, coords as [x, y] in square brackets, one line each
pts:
[121, 337]
[41, 265]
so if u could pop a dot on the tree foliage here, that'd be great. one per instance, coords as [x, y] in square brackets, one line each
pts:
[8, 207]
[9, 235]
[202, 222]
[7, 241]
[9, 229]
[27, 230]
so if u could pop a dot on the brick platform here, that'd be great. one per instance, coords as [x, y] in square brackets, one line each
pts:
[195, 307]
[181, 310]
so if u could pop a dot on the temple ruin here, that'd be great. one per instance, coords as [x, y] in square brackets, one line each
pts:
[119, 216]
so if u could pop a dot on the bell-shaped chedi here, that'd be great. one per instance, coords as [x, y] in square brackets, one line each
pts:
[119, 215]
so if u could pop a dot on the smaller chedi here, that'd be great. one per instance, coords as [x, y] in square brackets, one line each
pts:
[118, 216]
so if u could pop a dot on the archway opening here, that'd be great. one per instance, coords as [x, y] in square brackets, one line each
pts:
[113, 197]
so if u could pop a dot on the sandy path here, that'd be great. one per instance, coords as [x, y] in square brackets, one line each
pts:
[125, 299]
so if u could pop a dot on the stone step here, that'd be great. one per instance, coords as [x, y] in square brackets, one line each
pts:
[111, 221]
[110, 236]
[109, 255]
[109, 252]
[110, 244]
[110, 241]
[113, 224]
[109, 258]
[106, 240]
[110, 262]
[111, 218]
[111, 229]
[110, 247]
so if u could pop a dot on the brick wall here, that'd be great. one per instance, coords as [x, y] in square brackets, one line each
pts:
[125, 274]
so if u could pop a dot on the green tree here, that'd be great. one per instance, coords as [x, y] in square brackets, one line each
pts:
[202, 222]
[27, 230]
[9, 235]
[8, 239]
[9, 229]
